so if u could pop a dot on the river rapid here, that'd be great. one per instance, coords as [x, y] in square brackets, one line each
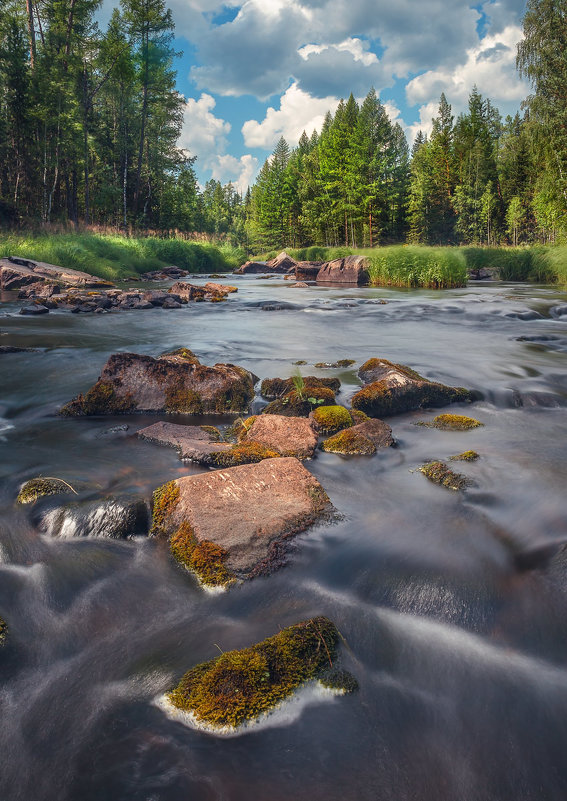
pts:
[452, 606]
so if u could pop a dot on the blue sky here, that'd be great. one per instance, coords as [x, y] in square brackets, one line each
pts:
[253, 71]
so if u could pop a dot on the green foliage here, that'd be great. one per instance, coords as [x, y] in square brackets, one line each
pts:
[115, 257]
[413, 266]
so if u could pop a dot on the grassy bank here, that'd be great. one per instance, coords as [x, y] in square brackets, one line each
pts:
[446, 267]
[114, 257]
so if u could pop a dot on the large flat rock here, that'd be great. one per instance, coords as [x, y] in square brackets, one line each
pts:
[175, 382]
[16, 272]
[290, 436]
[247, 511]
[192, 442]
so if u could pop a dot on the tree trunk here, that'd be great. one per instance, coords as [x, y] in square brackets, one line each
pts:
[31, 32]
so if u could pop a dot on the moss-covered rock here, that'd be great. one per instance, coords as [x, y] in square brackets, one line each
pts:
[395, 388]
[37, 488]
[349, 443]
[3, 630]
[330, 419]
[288, 436]
[453, 422]
[358, 416]
[240, 428]
[249, 452]
[278, 387]
[240, 686]
[335, 365]
[466, 456]
[301, 404]
[164, 501]
[439, 473]
[205, 559]
[100, 399]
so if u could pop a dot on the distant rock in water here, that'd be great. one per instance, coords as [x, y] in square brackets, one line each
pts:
[350, 270]
[17, 272]
[14, 349]
[253, 267]
[282, 263]
[238, 688]
[235, 523]
[394, 388]
[173, 383]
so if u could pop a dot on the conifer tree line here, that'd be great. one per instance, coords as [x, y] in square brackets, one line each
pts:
[90, 123]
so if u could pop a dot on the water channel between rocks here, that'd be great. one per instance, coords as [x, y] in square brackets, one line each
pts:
[461, 658]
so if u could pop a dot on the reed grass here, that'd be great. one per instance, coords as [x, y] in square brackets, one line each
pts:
[115, 257]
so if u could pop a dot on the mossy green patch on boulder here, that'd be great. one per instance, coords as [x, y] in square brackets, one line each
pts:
[240, 428]
[240, 686]
[164, 501]
[349, 443]
[358, 416]
[100, 399]
[466, 456]
[249, 452]
[206, 559]
[439, 473]
[37, 488]
[301, 404]
[330, 419]
[453, 422]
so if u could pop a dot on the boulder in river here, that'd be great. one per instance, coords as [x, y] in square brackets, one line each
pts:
[307, 270]
[114, 518]
[234, 524]
[394, 389]
[34, 308]
[288, 436]
[17, 272]
[252, 267]
[282, 263]
[301, 402]
[173, 383]
[439, 473]
[466, 456]
[239, 687]
[350, 270]
[363, 439]
[331, 419]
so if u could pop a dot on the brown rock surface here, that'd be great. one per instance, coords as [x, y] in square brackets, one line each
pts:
[350, 270]
[282, 263]
[378, 432]
[252, 267]
[16, 272]
[175, 382]
[307, 270]
[248, 511]
[192, 442]
[290, 436]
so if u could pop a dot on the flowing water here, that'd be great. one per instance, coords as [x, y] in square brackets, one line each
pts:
[461, 656]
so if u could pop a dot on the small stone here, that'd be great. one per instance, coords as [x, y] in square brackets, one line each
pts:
[439, 473]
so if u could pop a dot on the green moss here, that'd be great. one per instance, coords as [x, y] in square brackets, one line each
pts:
[295, 404]
[165, 499]
[379, 399]
[331, 419]
[185, 401]
[454, 422]
[237, 398]
[240, 428]
[439, 473]
[240, 686]
[278, 387]
[243, 453]
[358, 416]
[100, 399]
[183, 353]
[3, 630]
[40, 487]
[213, 433]
[467, 456]
[205, 559]
[350, 443]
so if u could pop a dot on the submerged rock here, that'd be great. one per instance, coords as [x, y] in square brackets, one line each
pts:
[197, 443]
[14, 349]
[3, 630]
[113, 518]
[239, 687]
[361, 440]
[288, 436]
[339, 363]
[466, 456]
[439, 473]
[241, 517]
[350, 270]
[452, 422]
[34, 308]
[40, 487]
[174, 383]
[394, 389]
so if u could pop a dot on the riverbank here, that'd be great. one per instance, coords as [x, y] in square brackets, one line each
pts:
[114, 257]
[448, 267]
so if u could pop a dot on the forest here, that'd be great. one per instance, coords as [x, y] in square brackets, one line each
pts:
[90, 123]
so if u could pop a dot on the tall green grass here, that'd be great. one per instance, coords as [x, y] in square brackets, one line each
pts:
[114, 257]
[416, 266]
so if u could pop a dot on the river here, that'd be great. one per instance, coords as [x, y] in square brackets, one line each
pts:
[461, 657]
